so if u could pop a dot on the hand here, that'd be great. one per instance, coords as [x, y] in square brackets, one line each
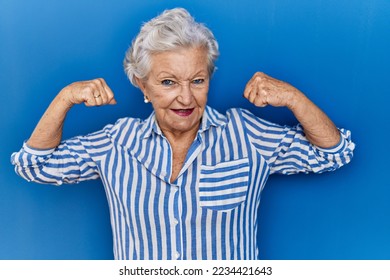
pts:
[263, 90]
[92, 93]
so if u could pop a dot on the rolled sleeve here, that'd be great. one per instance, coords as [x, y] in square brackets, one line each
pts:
[74, 160]
[341, 153]
[287, 150]
[68, 163]
[29, 162]
[37, 152]
[344, 143]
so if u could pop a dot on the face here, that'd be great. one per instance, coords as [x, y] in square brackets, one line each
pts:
[177, 87]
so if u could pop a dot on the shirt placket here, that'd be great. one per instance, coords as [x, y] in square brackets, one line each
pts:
[177, 249]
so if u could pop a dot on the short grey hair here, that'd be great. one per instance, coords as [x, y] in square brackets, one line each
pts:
[170, 30]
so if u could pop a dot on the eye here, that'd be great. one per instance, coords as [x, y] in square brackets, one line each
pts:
[198, 81]
[167, 83]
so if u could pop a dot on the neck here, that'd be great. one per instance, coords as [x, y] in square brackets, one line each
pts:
[177, 137]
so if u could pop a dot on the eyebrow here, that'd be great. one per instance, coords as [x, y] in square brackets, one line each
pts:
[165, 74]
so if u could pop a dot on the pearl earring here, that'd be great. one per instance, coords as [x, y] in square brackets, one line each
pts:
[146, 100]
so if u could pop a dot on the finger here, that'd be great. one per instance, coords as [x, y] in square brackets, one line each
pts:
[107, 94]
[87, 96]
[248, 88]
[98, 92]
[98, 99]
[92, 96]
[251, 92]
[260, 91]
[90, 100]
[252, 95]
[247, 91]
[253, 86]
[262, 98]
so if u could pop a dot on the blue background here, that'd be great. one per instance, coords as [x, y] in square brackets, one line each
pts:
[336, 51]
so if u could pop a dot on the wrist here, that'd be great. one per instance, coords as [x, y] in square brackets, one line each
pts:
[295, 100]
[64, 100]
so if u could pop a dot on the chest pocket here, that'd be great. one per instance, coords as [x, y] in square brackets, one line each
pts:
[224, 186]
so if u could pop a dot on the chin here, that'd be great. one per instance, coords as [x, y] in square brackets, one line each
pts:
[185, 125]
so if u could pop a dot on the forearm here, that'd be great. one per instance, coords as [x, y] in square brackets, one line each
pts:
[318, 127]
[48, 132]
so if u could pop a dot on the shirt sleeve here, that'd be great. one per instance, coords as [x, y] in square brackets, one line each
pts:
[287, 150]
[74, 160]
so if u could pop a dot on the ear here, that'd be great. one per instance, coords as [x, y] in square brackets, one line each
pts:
[142, 87]
[140, 84]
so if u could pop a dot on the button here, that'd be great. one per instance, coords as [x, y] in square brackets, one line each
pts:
[177, 255]
[175, 221]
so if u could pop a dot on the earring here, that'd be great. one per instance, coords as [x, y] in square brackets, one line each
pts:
[146, 99]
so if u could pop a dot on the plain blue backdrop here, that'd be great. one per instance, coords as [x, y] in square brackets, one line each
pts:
[336, 51]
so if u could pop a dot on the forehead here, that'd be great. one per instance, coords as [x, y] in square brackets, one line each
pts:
[181, 61]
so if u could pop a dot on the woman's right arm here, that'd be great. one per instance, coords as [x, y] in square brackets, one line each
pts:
[48, 132]
[43, 159]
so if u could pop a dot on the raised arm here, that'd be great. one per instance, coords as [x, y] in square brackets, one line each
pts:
[263, 90]
[48, 132]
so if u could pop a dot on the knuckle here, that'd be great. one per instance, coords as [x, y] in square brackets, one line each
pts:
[100, 81]
[259, 74]
[94, 84]
[89, 87]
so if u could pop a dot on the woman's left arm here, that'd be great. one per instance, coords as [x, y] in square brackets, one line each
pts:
[263, 90]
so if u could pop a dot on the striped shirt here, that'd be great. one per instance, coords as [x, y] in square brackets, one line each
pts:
[211, 210]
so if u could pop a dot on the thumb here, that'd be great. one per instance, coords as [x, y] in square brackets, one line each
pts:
[112, 102]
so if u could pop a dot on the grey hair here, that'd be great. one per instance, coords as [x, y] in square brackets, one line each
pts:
[170, 30]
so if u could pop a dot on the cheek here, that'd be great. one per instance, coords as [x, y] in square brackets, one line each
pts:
[201, 98]
[158, 98]
[162, 101]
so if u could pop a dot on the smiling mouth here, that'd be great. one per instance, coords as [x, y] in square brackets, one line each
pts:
[183, 112]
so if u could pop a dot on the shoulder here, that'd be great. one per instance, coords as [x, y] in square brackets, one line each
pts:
[124, 129]
[216, 117]
[120, 126]
[254, 124]
[232, 115]
[243, 115]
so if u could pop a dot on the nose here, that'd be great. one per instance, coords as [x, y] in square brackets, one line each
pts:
[186, 95]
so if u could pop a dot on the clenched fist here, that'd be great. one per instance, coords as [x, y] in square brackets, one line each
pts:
[263, 90]
[92, 93]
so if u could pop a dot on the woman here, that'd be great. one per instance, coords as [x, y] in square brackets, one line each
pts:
[185, 183]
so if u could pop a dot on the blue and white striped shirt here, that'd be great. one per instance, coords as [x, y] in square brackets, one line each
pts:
[210, 211]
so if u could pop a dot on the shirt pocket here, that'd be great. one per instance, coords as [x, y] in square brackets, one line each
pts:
[224, 186]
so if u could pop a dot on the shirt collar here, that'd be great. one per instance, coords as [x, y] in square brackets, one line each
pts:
[150, 125]
[211, 117]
